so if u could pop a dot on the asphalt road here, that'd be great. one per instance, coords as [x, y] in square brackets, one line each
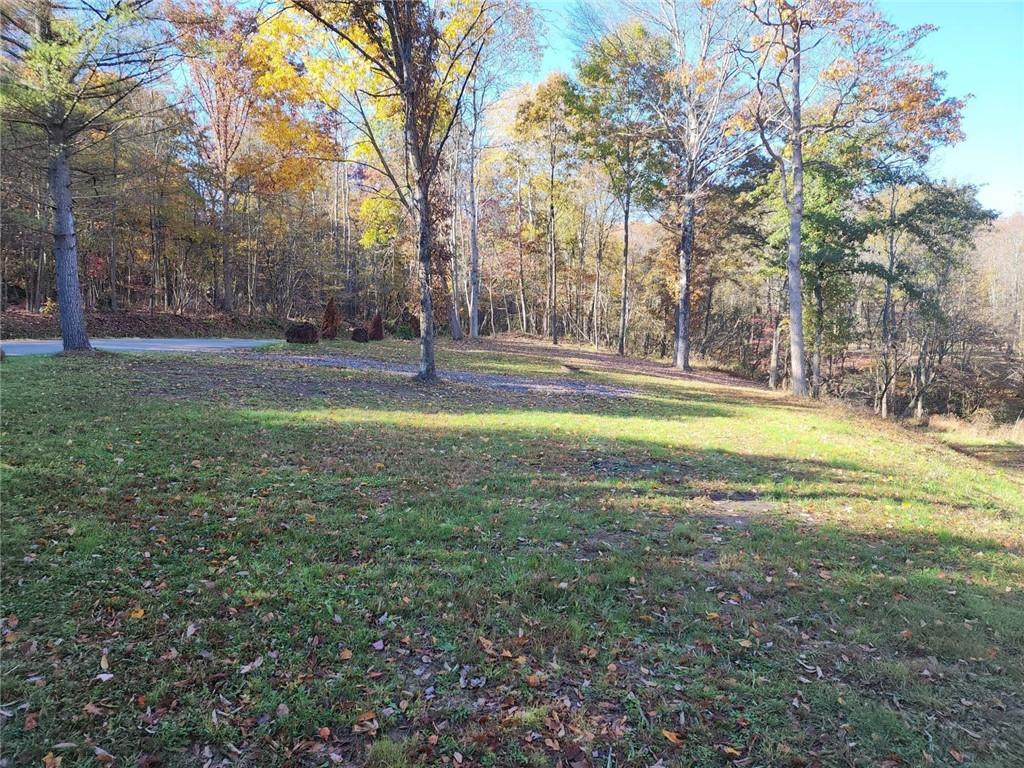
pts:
[52, 347]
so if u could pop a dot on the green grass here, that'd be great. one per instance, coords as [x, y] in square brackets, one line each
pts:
[282, 564]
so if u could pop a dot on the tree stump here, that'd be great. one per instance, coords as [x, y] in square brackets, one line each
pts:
[377, 328]
[360, 335]
[302, 333]
[329, 327]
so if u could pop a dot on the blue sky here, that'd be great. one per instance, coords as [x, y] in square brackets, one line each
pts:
[979, 44]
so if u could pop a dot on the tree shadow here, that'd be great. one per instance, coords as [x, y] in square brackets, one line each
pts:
[1002, 455]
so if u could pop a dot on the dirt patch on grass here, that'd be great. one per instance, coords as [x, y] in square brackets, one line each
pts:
[240, 377]
[228, 381]
[516, 384]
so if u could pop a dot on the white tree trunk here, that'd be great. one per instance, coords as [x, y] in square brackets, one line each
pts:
[682, 341]
[796, 216]
[624, 305]
[474, 244]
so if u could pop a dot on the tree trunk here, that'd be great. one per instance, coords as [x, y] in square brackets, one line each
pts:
[519, 245]
[705, 340]
[682, 342]
[454, 321]
[427, 371]
[773, 360]
[490, 307]
[155, 254]
[112, 264]
[39, 288]
[227, 299]
[474, 244]
[796, 215]
[816, 359]
[351, 286]
[553, 280]
[65, 249]
[888, 352]
[597, 292]
[624, 305]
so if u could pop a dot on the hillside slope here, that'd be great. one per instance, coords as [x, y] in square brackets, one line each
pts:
[557, 558]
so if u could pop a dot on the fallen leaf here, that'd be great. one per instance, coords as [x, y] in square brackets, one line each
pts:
[255, 664]
[366, 722]
[486, 646]
[345, 654]
[52, 761]
[137, 612]
[31, 721]
[674, 737]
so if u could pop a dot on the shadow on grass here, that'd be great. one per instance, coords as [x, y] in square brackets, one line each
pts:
[616, 612]
[997, 454]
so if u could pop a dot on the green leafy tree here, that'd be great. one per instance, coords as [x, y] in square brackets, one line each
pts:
[615, 124]
[68, 71]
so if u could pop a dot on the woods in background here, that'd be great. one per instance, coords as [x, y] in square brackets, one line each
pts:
[744, 182]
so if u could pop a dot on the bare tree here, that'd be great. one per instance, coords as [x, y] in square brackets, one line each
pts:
[213, 36]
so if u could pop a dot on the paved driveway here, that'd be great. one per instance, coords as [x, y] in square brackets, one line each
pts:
[51, 347]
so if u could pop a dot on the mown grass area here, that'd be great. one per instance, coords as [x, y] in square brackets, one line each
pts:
[249, 560]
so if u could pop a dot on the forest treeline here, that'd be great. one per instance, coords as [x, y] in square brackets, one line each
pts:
[747, 182]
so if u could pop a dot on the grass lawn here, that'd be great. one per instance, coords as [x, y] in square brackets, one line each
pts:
[249, 560]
